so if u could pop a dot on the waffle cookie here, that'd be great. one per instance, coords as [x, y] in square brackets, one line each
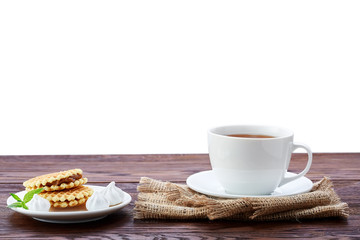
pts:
[56, 181]
[68, 197]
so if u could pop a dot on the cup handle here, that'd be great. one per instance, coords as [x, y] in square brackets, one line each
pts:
[309, 152]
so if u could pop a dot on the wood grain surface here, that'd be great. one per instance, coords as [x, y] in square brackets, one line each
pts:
[126, 170]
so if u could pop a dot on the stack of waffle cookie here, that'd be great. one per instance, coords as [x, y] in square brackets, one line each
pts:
[62, 189]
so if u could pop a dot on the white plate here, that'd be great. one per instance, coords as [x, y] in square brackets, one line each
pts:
[206, 182]
[70, 216]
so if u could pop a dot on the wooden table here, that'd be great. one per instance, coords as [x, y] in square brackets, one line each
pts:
[126, 170]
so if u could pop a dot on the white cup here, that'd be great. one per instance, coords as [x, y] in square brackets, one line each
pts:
[253, 166]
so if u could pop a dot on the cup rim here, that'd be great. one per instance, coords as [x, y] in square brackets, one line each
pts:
[289, 133]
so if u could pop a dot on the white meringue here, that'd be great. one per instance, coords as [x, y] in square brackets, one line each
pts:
[113, 194]
[97, 201]
[38, 203]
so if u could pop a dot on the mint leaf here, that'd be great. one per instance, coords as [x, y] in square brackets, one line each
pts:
[29, 195]
[16, 197]
[24, 206]
[15, 205]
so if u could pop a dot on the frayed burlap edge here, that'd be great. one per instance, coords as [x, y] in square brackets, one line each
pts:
[166, 200]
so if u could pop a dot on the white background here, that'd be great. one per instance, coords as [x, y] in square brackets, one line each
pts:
[113, 77]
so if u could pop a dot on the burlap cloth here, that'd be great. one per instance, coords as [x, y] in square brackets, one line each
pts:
[166, 200]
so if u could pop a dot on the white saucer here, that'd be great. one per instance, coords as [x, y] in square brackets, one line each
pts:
[70, 216]
[206, 183]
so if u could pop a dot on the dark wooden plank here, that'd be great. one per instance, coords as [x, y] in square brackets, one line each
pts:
[122, 224]
[126, 170]
[177, 167]
[120, 168]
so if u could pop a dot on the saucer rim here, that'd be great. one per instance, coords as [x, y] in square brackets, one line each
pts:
[232, 196]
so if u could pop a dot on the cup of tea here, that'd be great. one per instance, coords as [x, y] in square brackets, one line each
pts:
[252, 159]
